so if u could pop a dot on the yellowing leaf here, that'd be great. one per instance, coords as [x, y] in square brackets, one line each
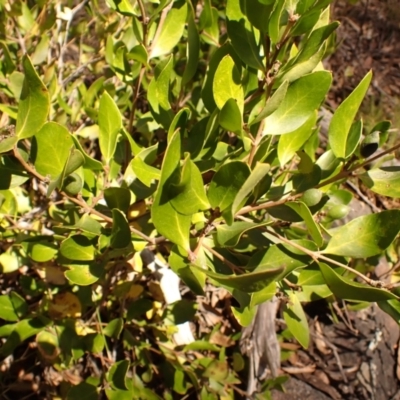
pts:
[65, 305]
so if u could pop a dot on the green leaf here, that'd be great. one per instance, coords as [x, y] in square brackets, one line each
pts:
[229, 236]
[303, 97]
[365, 236]
[261, 112]
[227, 84]
[343, 117]
[110, 123]
[296, 320]
[77, 248]
[278, 254]
[242, 35]
[256, 176]
[169, 222]
[85, 274]
[207, 93]
[188, 196]
[292, 142]
[226, 184]
[40, 248]
[114, 328]
[22, 331]
[171, 31]
[391, 307]
[34, 104]
[121, 233]
[249, 283]
[180, 264]
[89, 162]
[117, 197]
[12, 174]
[144, 172]
[89, 225]
[384, 181]
[354, 138]
[12, 307]
[192, 50]
[117, 375]
[307, 217]
[274, 26]
[258, 13]
[346, 289]
[230, 117]
[51, 149]
[8, 144]
[83, 391]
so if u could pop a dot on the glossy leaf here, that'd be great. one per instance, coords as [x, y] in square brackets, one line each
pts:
[365, 236]
[145, 172]
[229, 236]
[347, 289]
[188, 195]
[307, 217]
[292, 142]
[52, 139]
[354, 138]
[303, 97]
[260, 112]
[34, 103]
[343, 117]
[227, 84]
[249, 283]
[85, 274]
[169, 222]
[110, 123]
[77, 248]
[171, 31]
[384, 181]
[296, 320]
[280, 255]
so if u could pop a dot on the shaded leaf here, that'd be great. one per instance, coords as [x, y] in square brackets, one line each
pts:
[249, 283]
[169, 222]
[345, 288]
[121, 233]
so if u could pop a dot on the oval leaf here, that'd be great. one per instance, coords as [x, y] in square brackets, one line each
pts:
[34, 103]
[342, 120]
[365, 236]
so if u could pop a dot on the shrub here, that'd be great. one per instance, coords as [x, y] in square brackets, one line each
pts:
[190, 129]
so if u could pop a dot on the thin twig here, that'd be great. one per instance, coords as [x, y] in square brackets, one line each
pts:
[220, 257]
